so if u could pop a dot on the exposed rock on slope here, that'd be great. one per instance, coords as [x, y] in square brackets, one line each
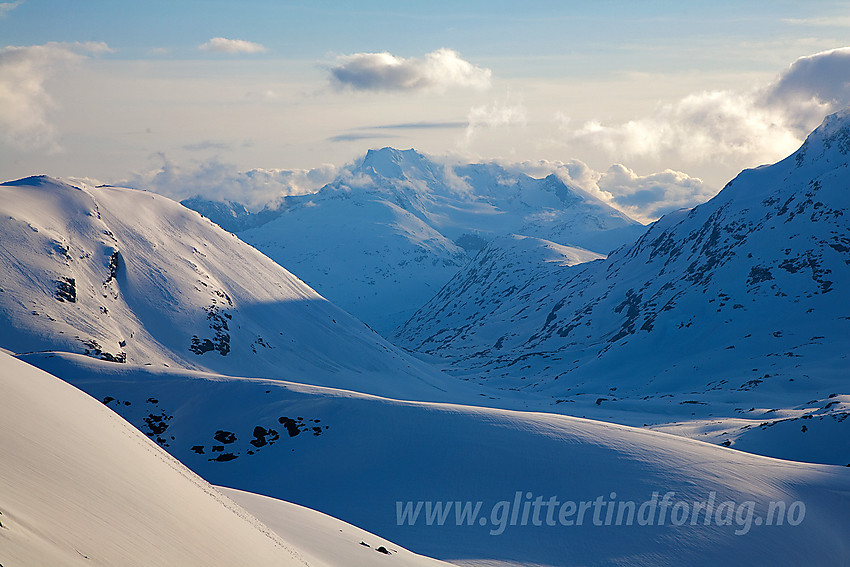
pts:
[745, 291]
[130, 276]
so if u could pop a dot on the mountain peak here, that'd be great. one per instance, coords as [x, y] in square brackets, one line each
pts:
[33, 181]
[567, 195]
[392, 163]
[828, 143]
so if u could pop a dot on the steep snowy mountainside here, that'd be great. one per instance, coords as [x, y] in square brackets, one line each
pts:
[365, 253]
[745, 292]
[80, 486]
[386, 235]
[366, 460]
[509, 269]
[130, 276]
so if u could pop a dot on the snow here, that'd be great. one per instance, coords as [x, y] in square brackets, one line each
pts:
[331, 542]
[565, 371]
[735, 304]
[372, 452]
[80, 486]
[391, 230]
[148, 281]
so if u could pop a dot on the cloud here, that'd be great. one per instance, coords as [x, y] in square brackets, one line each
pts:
[643, 197]
[421, 126]
[438, 71]
[756, 126]
[356, 136]
[262, 96]
[218, 181]
[24, 101]
[499, 114]
[231, 46]
[810, 88]
[6, 7]
[208, 145]
[378, 132]
[648, 197]
[829, 21]
[720, 126]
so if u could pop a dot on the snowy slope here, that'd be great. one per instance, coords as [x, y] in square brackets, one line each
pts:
[80, 486]
[323, 540]
[745, 293]
[356, 456]
[392, 229]
[127, 275]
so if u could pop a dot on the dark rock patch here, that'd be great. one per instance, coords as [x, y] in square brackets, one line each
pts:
[66, 290]
[290, 425]
[224, 457]
[225, 437]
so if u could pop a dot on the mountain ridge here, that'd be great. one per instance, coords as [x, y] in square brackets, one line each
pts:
[738, 299]
[393, 228]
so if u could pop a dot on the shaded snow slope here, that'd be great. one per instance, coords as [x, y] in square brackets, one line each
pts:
[131, 276]
[392, 229]
[80, 486]
[355, 457]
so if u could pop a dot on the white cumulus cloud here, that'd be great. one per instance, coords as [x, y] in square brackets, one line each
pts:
[643, 197]
[218, 181]
[810, 88]
[755, 126]
[438, 71]
[232, 46]
[648, 197]
[25, 104]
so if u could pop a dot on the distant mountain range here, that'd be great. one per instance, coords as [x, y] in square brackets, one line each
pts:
[391, 230]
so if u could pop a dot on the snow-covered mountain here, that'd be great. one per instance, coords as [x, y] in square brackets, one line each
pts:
[130, 276]
[386, 235]
[396, 468]
[146, 306]
[81, 486]
[745, 293]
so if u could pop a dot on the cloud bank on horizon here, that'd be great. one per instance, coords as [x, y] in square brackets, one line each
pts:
[643, 197]
[728, 126]
[768, 121]
[220, 181]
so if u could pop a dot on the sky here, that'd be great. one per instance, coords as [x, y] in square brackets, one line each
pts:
[651, 105]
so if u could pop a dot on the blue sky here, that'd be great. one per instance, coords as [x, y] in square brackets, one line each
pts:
[613, 34]
[120, 91]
